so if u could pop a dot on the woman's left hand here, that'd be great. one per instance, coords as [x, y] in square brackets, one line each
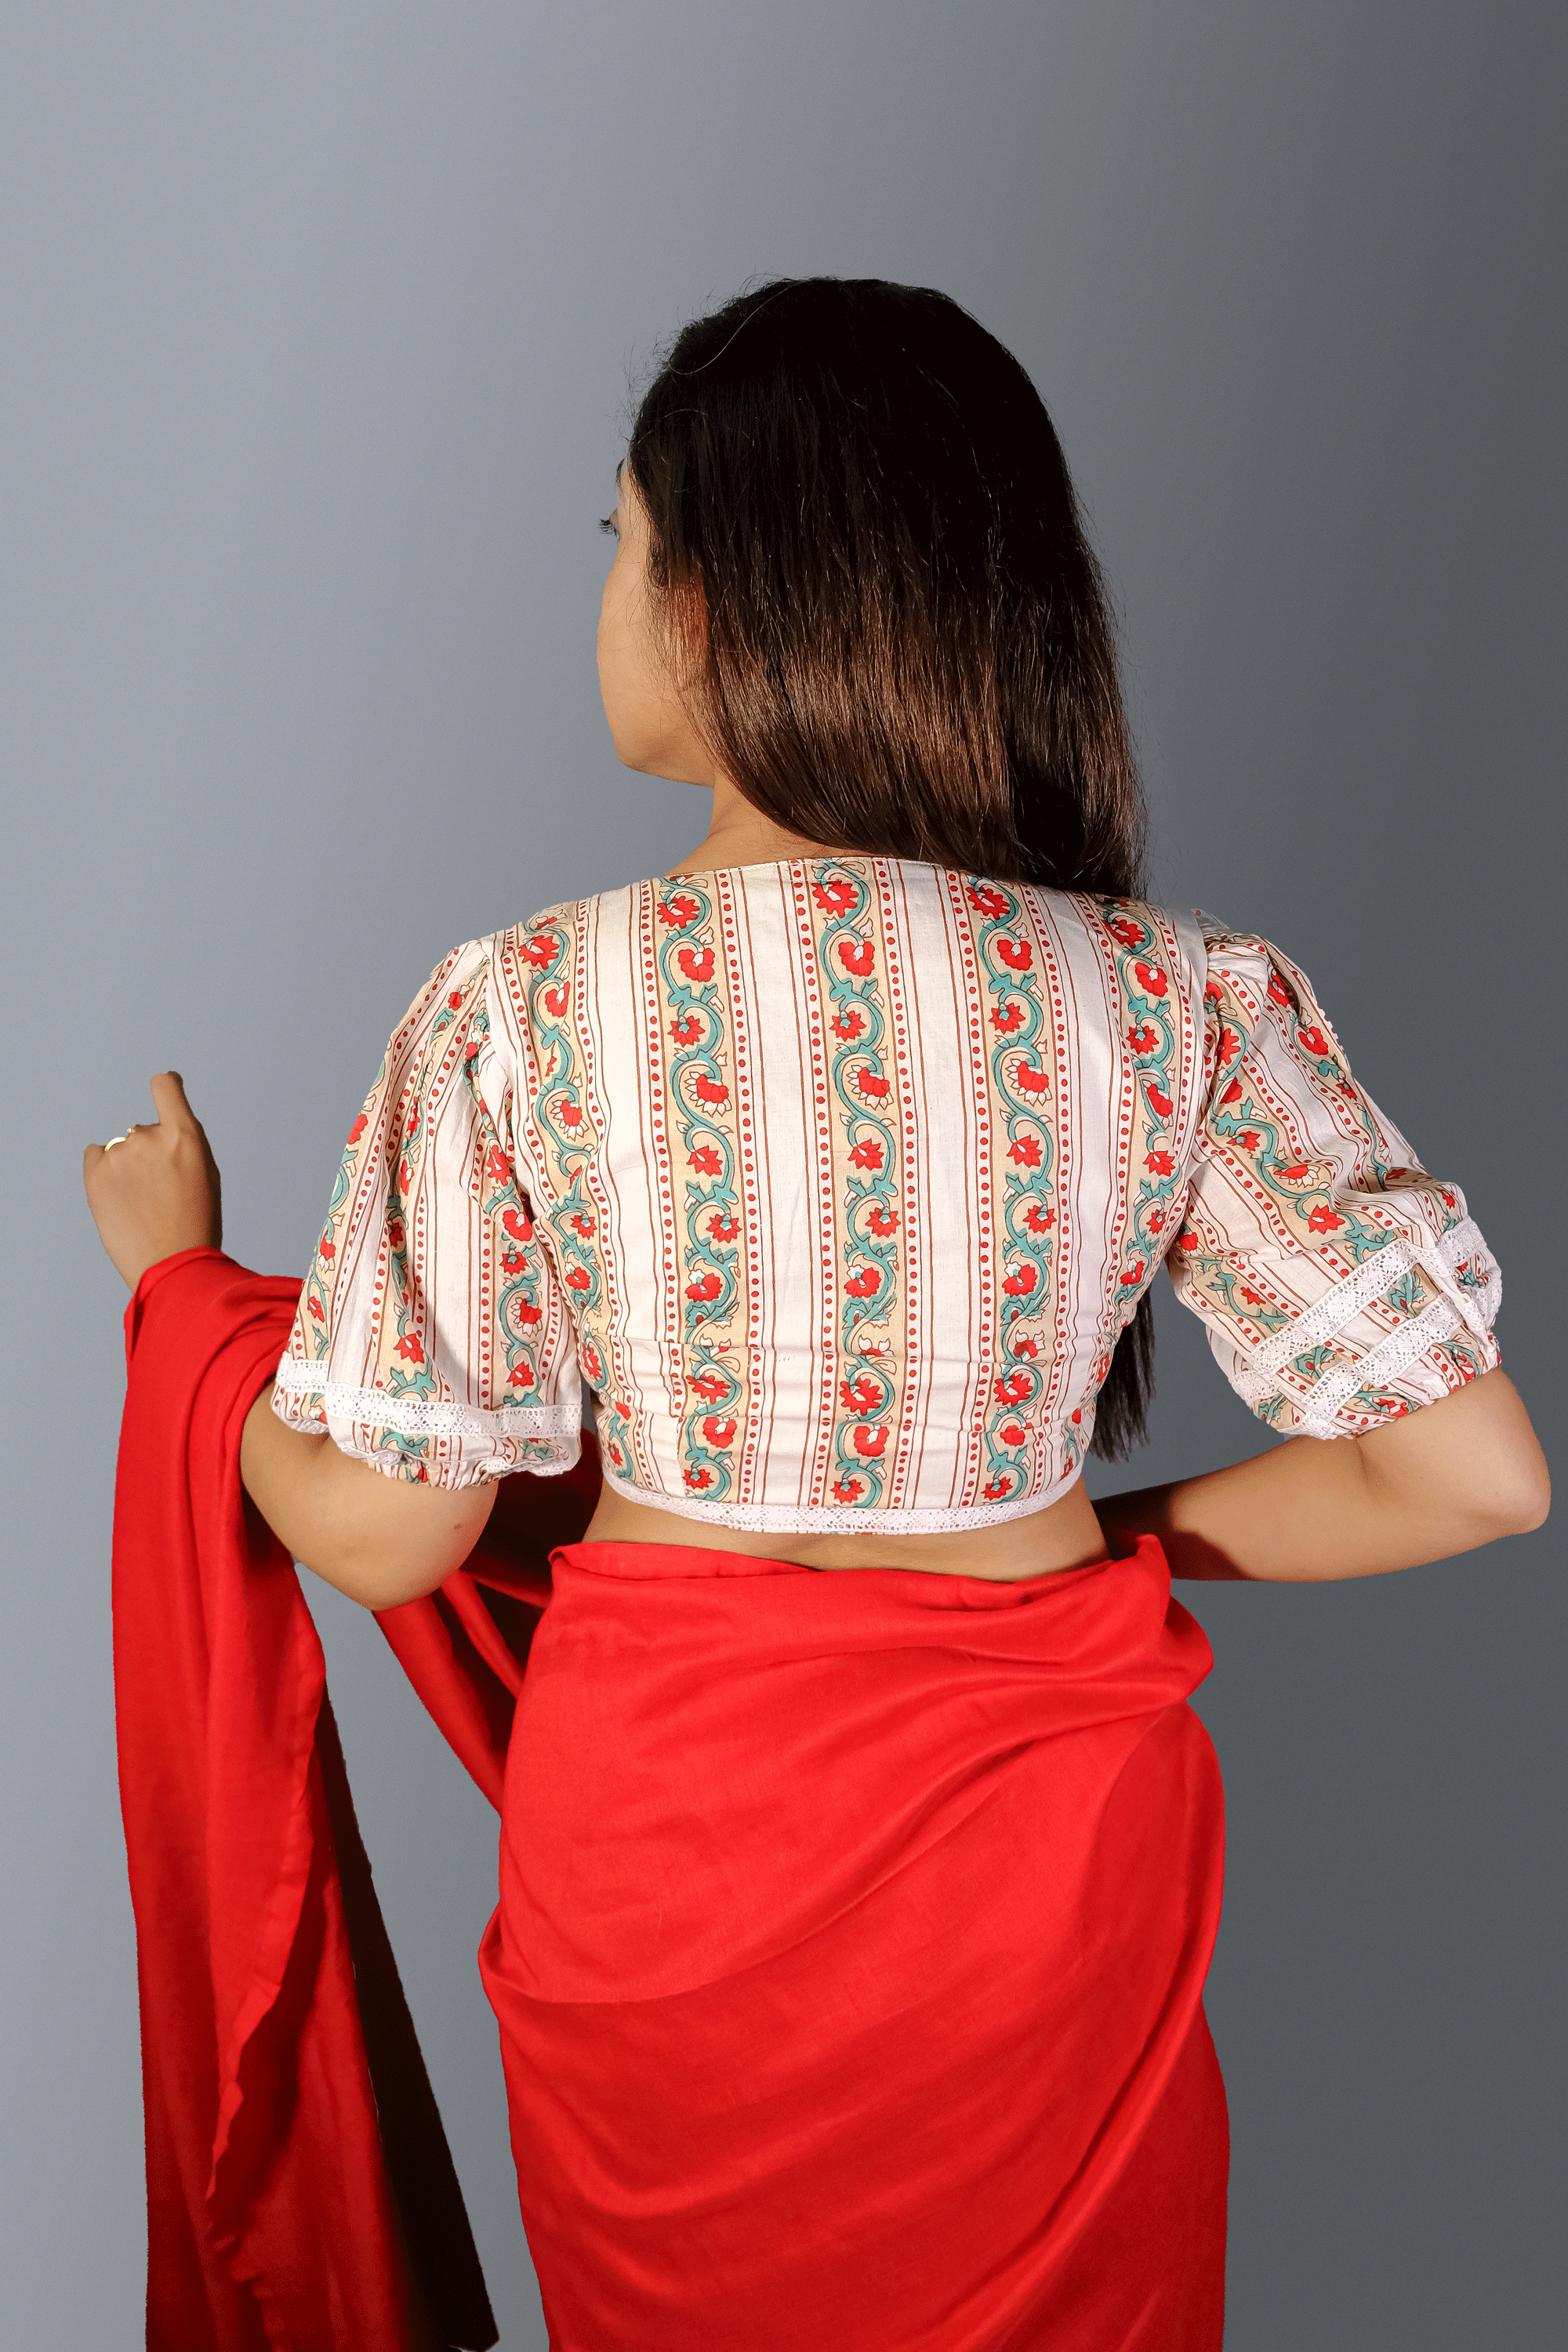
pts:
[155, 1189]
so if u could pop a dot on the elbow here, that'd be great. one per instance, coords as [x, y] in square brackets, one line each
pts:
[1529, 1498]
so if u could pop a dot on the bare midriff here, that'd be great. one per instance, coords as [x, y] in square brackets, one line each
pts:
[1064, 1535]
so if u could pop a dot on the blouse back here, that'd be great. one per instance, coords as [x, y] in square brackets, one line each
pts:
[838, 1180]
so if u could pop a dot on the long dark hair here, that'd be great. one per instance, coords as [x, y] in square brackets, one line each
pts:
[891, 625]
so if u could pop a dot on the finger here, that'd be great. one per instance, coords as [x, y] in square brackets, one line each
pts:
[173, 1110]
[90, 1159]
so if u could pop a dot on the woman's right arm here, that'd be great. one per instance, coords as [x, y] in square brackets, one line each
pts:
[380, 1541]
[1461, 1472]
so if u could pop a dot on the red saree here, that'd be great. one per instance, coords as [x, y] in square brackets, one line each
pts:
[849, 1953]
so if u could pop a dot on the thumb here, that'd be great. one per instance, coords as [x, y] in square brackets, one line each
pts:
[169, 1099]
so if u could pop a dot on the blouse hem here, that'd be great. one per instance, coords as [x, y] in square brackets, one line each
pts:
[831, 1519]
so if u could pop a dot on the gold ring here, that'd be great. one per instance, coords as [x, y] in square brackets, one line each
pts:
[112, 1141]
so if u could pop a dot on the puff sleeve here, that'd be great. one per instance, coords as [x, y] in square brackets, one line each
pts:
[432, 1339]
[1341, 1284]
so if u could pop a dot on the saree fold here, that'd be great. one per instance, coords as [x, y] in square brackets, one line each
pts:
[850, 1958]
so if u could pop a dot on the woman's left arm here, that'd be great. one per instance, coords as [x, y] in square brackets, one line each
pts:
[383, 1541]
[1458, 1472]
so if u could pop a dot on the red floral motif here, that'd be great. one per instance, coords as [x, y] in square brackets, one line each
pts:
[1322, 1219]
[1278, 993]
[356, 1130]
[866, 1153]
[719, 1433]
[687, 1030]
[869, 1440]
[583, 1227]
[1212, 993]
[1296, 1173]
[1013, 1432]
[705, 1159]
[1038, 1220]
[872, 1086]
[520, 1375]
[848, 1490]
[1229, 1046]
[833, 897]
[516, 1224]
[711, 1387]
[1016, 954]
[865, 1284]
[1249, 1140]
[1315, 1042]
[541, 951]
[1025, 1152]
[1130, 934]
[328, 1247]
[1020, 1282]
[556, 1000]
[858, 956]
[571, 1114]
[527, 1312]
[1012, 1388]
[591, 1363]
[678, 912]
[882, 1221]
[1189, 1242]
[709, 1090]
[496, 1168]
[697, 1475]
[988, 902]
[1134, 1275]
[1030, 1080]
[1025, 1347]
[1159, 1163]
[1159, 1099]
[316, 1308]
[394, 1233]
[723, 1228]
[859, 1394]
[1008, 1017]
[580, 1279]
[696, 963]
[1144, 1037]
[1233, 1092]
[1150, 979]
[996, 1488]
[707, 1286]
[848, 1024]
[455, 999]
[410, 1350]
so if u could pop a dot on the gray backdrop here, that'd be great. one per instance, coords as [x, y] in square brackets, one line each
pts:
[317, 329]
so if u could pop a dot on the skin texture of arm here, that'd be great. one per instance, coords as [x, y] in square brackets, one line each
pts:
[380, 1541]
[1457, 1474]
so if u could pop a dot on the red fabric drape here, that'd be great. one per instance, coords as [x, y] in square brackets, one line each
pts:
[849, 1958]
[852, 1936]
[300, 2191]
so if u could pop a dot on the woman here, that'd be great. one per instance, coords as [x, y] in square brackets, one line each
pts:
[853, 1929]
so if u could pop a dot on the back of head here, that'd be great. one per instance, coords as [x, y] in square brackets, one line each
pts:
[892, 629]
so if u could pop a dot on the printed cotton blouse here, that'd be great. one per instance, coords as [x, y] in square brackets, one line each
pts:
[838, 1181]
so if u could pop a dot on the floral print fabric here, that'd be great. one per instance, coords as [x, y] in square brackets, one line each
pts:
[838, 1180]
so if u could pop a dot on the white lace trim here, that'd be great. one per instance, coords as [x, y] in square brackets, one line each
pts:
[556, 1425]
[1316, 1415]
[836, 1519]
[1461, 1307]
[1376, 1275]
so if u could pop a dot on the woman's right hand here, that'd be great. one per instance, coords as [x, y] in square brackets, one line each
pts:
[155, 1189]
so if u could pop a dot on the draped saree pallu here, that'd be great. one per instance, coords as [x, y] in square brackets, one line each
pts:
[849, 1956]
